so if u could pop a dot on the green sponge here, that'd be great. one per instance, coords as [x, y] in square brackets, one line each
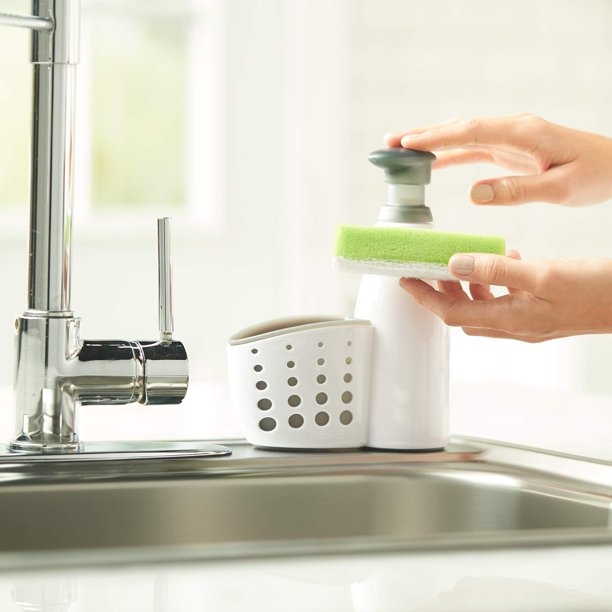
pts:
[398, 251]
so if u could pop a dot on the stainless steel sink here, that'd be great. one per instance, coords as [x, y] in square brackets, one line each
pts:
[263, 503]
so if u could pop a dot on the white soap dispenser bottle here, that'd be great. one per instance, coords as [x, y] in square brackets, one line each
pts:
[409, 381]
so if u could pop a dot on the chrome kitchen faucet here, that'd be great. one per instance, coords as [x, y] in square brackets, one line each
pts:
[56, 371]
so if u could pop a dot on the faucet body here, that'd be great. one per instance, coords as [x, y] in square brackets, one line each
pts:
[56, 371]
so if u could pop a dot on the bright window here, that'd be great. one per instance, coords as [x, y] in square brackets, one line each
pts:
[148, 112]
[15, 88]
[138, 109]
[151, 92]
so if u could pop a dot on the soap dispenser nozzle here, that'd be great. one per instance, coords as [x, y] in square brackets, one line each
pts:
[406, 173]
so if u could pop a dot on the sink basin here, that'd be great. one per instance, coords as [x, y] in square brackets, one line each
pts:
[263, 503]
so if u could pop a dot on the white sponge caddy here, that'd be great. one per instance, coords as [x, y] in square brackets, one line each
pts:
[302, 382]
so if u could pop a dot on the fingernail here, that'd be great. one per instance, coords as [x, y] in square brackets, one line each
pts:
[461, 264]
[483, 193]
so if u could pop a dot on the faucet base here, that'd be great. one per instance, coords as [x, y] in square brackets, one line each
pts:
[115, 451]
[35, 448]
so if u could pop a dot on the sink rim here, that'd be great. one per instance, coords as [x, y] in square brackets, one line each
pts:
[246, 459]
[17, 561]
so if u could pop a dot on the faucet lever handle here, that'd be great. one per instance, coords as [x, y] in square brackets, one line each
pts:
[164, 268]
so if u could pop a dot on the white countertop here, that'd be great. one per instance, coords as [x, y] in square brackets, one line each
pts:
[562, 421]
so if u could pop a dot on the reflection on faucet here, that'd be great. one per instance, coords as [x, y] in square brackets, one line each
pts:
[44, 595]
[160, 593]
[56, 370]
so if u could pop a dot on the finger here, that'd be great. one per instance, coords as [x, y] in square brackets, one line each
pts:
[494, 333]
[437, 301]
[519, 131]
[458, 157]
[427, 128]
[487, 269]
[393, 139]
[480, 292]
[500, 156]
[492, 314]
[511, 190]
[514, 254]
[452, 289]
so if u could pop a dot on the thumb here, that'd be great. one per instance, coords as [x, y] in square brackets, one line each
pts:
[493, 270]
[511, 190]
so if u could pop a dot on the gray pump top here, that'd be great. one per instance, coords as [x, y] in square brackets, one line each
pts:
[406, 173]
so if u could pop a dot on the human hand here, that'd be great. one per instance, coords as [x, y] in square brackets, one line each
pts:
[546, 299]
[558, 164]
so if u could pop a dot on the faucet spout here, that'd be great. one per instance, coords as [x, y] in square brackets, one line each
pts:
[55, 54]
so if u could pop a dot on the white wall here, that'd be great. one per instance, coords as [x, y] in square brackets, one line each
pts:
[311, 87]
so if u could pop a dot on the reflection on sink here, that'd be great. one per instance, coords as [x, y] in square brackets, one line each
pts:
[260, 503]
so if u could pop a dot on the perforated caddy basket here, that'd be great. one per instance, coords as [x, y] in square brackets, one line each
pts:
[302, 382]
